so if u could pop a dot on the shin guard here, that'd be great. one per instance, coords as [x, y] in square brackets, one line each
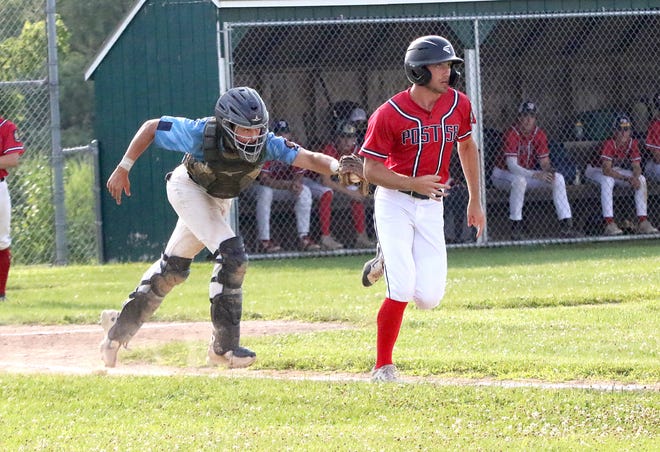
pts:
[142, 303]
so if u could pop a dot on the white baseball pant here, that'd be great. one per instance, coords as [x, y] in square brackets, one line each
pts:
[203, 222]
[652, 170]
[5, 216]
[411, 236]
[266, 195]
[518, 185]
[607, 184]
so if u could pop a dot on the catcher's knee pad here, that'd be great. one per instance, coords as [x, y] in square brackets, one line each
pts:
[142, 303]
[233, 259]
[173, 270]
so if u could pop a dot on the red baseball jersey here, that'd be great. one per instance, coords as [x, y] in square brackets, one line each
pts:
[653, 136]
[412, 141]
[527, 149]
[9, 141]
[623, 156]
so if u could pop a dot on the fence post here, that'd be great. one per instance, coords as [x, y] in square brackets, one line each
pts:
[61, 248]
[100, 252]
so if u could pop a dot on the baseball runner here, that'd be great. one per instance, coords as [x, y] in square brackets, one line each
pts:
[619, 163]
[11, 148]
[407, 150]
[223, 155]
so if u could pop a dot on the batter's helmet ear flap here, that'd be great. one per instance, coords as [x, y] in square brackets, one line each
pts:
[418, 75]
[453, 76]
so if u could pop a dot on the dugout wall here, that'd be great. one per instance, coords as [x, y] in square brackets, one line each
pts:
[303, 60]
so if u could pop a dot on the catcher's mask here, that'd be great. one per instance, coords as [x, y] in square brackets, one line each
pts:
[242, 107]
[429, 50]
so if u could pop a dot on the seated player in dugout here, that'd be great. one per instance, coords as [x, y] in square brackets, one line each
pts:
[325, 187]
[524, 164]
[619, 163]
[279, 181]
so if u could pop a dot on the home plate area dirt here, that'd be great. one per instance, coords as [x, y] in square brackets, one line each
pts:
[74, 350]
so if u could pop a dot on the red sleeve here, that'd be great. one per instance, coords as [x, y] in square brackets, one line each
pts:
[542, 150]
[465, 127]
[511, 142]
[607, 153]
[653, 136]
[9, 139]
[378, 139]
[635, 156]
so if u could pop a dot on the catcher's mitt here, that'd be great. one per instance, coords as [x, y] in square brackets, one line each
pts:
[351, 172]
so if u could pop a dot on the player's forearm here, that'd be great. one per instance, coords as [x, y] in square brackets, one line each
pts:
[377, 173]
[9, 160]
[469, 156]
[316, 161]
[140, 142]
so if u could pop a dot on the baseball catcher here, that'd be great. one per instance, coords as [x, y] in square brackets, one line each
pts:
[351, 173]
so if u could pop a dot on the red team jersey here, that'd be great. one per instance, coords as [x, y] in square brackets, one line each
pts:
[653, 136]
[527, 149]
[9, 141]
[414, 142]
[621, 157]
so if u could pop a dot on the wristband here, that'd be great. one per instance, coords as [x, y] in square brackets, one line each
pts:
[334, 166]
[126, 163]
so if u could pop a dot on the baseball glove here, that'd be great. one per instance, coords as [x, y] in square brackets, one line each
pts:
[351, 172]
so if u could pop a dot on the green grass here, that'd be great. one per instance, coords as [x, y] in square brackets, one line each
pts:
[556, 313]
[204, 413]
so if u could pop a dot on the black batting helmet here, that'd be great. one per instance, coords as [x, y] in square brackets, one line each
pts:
[429, 50]
[243, 107]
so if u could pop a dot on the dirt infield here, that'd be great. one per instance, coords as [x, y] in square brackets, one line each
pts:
[73, 350]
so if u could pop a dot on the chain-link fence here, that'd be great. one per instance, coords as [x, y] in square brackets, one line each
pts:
[581, 71]
[25, 97]
[324, 78]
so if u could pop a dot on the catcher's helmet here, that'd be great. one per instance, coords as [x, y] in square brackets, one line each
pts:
[244, 107]
[429, 50]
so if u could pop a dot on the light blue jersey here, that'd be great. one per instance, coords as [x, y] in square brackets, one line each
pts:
[186, 136]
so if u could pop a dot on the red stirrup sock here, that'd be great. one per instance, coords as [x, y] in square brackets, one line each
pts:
[325, 212]
[5, 262]
[357, 209]
[389, 321]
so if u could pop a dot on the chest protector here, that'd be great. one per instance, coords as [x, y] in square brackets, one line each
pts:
[222, 174]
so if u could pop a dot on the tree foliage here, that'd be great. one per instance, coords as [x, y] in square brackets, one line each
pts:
[90, 23]
[24, 57]
[82, 27]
